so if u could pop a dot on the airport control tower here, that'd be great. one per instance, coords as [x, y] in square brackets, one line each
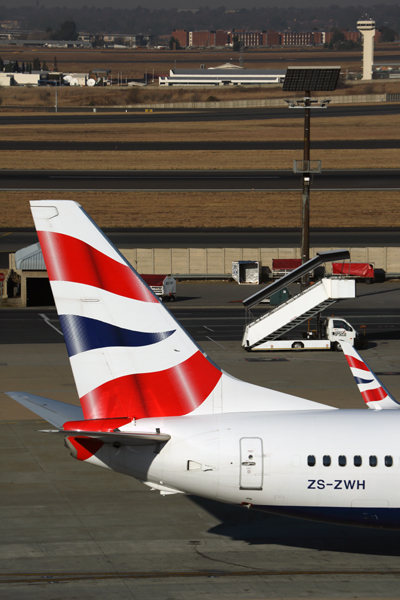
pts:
[367, 28]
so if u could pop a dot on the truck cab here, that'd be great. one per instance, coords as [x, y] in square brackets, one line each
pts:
[338, 329]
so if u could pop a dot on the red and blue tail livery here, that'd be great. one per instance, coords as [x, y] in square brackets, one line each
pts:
[374, 393]
[128, 355]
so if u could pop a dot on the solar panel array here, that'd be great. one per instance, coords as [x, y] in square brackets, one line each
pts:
[311, 79]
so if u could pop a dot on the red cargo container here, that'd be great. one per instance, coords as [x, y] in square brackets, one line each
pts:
[363, 271]
[282, 266]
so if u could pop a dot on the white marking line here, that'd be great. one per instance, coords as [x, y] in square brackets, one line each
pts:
[205, 327]
[211, 340]
[47, 321]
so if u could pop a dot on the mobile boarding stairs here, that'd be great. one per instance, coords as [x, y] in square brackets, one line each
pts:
[305, 305]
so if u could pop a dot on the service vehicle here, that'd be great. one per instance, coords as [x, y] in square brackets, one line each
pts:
[329, 335]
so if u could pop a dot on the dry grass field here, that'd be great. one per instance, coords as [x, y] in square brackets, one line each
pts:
[196, 159]
[15, 99]
[347, 128]
[200, 209]
[217, 209]
[328, 128]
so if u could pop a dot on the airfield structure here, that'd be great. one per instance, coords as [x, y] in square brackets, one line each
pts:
[367, 28]
[307, 80]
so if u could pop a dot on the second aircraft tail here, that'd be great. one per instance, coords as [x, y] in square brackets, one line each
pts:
[374, 393]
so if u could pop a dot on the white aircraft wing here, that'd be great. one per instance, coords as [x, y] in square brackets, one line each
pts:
[53, 411]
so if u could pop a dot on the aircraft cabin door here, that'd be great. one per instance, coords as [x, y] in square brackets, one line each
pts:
[251, 464]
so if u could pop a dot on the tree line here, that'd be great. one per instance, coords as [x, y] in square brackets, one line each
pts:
[13, 66]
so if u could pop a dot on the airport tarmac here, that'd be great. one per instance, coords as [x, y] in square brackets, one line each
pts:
[191, 180]
[72, 530]
[83, 115]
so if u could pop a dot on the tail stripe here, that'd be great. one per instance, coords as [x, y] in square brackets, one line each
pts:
[356, 363]
[83, 334]
[87, 265]
[374, 395]
[173, 392]
[360, 381]
[96, 367]
[74, 298]
[69, 218]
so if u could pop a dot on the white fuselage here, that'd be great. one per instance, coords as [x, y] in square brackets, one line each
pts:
[262, 460]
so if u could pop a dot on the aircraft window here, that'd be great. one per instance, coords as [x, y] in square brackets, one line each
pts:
[373, 461]
[326, 461]
[357, 461]
[388, 461]
[311, 460]
[342, 461]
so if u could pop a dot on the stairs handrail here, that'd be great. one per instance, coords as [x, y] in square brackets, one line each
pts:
[322, 257]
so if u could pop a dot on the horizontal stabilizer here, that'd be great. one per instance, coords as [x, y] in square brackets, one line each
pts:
[53, 411]
[122, 439]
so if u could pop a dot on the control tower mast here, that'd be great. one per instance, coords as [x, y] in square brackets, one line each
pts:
[367, 28]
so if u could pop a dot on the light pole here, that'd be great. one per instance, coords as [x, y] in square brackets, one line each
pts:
[307, 80]
[305, 237]
[55, 106]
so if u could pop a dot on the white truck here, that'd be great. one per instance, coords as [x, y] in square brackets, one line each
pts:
[327, 336]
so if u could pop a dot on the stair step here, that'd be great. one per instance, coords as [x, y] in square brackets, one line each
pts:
[289, 326]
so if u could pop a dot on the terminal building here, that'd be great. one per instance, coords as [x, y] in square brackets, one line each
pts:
[224, 75]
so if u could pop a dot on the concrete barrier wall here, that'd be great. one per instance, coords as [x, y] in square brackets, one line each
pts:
[262, 102]
[215, 261]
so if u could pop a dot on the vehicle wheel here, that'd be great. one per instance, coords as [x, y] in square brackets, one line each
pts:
[369, 281]
[297, 346]
[338, 346]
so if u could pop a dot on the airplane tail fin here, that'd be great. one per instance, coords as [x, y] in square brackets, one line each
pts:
[129, 356]
[374, 393]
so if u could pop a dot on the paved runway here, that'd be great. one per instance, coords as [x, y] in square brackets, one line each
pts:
[135, 115]
[139, 146]
[11, 241]
[331, 58]
[71, 530]
[217, 180]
